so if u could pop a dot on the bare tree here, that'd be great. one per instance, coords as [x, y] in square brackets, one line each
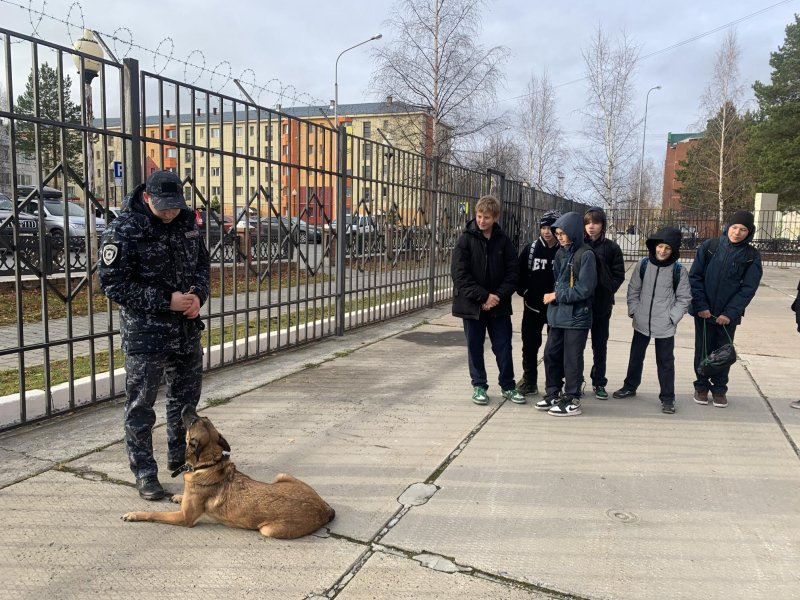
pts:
[435, 62]
[498, 151]
[719, 106]
[610, 123]
[542, 137]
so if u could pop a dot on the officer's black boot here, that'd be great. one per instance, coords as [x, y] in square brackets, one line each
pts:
[150, 489]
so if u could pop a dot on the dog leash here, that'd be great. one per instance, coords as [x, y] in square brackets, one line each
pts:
[187, 468]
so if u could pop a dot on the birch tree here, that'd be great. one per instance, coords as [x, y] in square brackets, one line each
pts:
[610, 124]
[436, 62]
[542, 137]
[720, 105]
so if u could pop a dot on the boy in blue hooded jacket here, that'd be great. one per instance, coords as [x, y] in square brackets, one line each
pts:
[569, 315]
[724, 277]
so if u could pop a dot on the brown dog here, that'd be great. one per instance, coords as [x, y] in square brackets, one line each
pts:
[286, 508]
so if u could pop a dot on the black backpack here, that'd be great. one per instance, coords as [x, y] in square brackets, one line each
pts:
[604, 279]
[676, 272]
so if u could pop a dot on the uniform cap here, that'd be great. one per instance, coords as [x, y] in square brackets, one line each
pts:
[165, 190]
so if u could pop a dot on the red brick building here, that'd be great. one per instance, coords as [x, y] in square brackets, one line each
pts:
[678, 145]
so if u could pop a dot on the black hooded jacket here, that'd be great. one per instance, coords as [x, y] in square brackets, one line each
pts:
[609, 252]
[482, 266]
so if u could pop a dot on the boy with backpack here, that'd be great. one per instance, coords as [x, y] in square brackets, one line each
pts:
[611, 275]
[724, 277]
[535, 280]
[569, 315]
[658, 296]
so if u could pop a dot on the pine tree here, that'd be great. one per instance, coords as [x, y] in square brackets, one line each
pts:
[776, 138]
[49, 106]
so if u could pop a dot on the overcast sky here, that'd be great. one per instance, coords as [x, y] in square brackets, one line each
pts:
[297, 43]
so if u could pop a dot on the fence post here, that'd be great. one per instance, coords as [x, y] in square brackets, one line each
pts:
[341, 227]
[434, 219]
[131, 153]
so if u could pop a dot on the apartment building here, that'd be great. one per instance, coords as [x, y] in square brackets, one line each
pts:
[282, 161]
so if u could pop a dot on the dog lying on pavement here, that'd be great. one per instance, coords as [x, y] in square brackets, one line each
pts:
[286, 508]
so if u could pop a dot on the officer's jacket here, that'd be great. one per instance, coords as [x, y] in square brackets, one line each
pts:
[142, 262]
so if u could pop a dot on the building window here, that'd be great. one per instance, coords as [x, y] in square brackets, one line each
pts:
[202, 189]
[285, 128]
[172, 153]
[202, 171]
[215, 132]
[111, 155]
[170, 134]
[187, 194]
[215, 190]
[285, 150]
[311, 149]
[239, 171]
[215, 171]
[187, 136]
[252, 171]
[239, 191]
[252, 151]
[367, 150]
[385, 125]
[187, 156]
[367, 129]
[187, 172]
[252, 130]
[252, 191]
[152, 153]
[239, 131]
[367, 171]
[201, 133]
[239, 150]
[366, 193]
[97, 155]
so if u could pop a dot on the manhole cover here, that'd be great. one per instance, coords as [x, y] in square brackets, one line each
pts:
[431, 338]
[621, 516]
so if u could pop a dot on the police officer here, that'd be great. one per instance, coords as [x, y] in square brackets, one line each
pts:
[155, 266]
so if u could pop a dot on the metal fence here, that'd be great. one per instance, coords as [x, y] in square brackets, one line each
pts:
[312, 230]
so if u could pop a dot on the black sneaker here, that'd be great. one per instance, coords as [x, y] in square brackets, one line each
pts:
[600, 392]
[549, 401]
[150, 489]
[668, 409]
[527, 389]
[624, 393]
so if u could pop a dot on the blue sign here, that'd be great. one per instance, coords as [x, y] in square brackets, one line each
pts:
[117, 172]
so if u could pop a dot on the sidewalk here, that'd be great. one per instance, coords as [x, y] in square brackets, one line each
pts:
[622, 502]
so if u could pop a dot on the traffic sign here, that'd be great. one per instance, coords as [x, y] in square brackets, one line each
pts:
[117, 173]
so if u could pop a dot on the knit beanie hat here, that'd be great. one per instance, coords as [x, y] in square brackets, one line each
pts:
[743, 217]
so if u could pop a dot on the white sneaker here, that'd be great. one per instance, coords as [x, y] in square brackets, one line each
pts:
[566, 408]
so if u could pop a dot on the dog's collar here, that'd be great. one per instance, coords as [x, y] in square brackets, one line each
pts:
[187, 468]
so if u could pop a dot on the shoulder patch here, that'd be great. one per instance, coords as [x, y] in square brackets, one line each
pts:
[110, 254]
[193, 233]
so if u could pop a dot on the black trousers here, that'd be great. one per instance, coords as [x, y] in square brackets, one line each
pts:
[715, 337]
[665, 365]
[563, 360]
[500, 333]
[600, 325]
[533, 324]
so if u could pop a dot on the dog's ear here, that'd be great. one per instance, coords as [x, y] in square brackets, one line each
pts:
[224, 443]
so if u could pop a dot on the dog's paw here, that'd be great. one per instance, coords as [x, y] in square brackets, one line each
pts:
[176, 498]
[129, 516]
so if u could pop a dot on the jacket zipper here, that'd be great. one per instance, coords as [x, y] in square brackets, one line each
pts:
[652, 300]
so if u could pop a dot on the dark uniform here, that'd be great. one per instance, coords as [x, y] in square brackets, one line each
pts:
[143, 260]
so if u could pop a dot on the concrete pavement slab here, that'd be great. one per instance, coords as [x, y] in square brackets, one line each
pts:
[401, 578]
[63, 538]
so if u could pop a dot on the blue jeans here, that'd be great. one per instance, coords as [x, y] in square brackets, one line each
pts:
[499, 329]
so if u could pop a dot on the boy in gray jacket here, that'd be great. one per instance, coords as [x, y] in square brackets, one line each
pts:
[656, 302]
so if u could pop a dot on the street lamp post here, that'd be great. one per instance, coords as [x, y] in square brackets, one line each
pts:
[336, 78]
[88, 69]
[641, 164]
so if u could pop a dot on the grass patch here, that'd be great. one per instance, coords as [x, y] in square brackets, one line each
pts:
[78, 305]
[211, 402]
[343, 353]
[312, 365]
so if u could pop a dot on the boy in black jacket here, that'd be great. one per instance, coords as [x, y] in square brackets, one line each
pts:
[484, 272]
[535, 280]
[608, 251]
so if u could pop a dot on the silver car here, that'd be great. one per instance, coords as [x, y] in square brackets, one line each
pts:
[54, 207]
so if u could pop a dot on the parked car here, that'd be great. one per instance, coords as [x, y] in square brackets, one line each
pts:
[301, 229]
[54, 207]
[27, 230]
